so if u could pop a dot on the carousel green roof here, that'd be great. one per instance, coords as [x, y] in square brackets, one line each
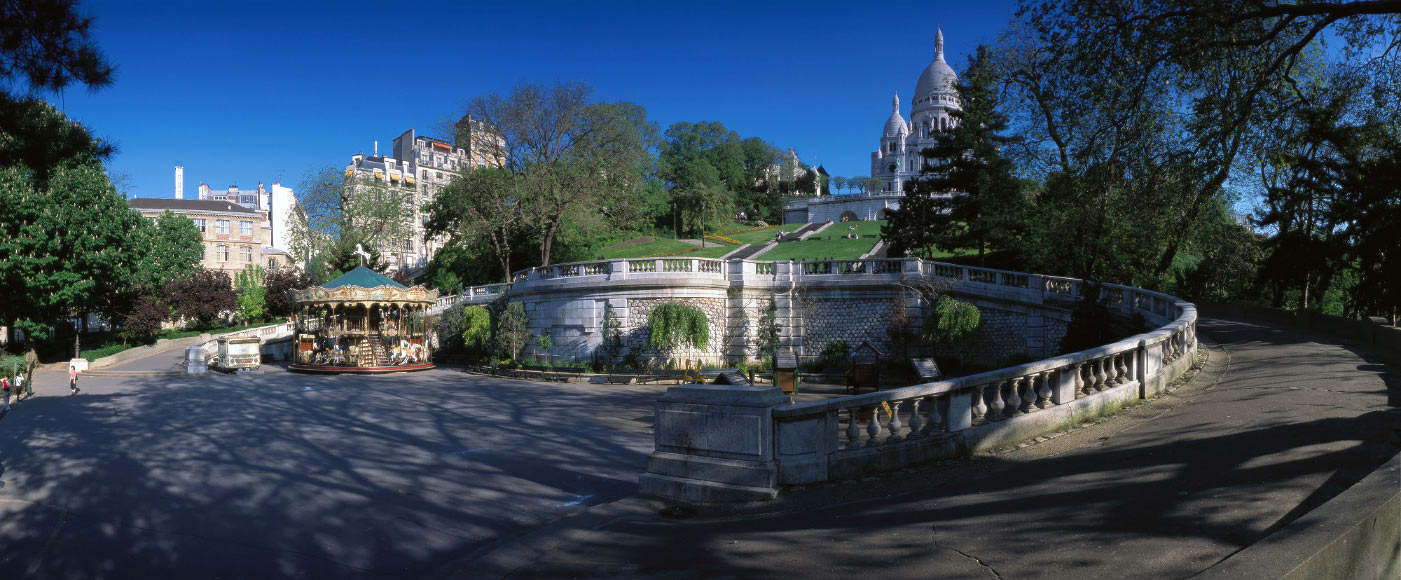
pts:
[362, 277]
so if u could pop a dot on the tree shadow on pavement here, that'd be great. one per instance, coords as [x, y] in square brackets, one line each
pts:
[283, 475]
[1166, 498]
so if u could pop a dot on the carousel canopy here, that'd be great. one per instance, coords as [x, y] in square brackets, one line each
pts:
[362, 277]
[365, 287]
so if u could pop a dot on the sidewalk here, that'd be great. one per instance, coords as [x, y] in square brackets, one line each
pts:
[1274, 425]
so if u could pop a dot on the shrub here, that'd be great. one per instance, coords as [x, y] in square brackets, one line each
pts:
[143, 323]
[674, 324]
[836, 353]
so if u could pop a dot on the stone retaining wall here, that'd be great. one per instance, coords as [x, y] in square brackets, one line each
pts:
[816, 304]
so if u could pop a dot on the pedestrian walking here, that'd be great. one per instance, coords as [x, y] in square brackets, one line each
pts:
[5, 392]
[19, 386]
[73, 378]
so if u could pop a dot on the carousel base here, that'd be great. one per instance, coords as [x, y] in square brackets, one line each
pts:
[332, 370]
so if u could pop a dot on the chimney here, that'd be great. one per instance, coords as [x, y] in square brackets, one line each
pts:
[376, 148]
[179, 182]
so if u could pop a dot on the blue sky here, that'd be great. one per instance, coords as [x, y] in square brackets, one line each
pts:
[242, 92]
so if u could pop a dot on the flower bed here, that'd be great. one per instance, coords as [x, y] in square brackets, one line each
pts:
[725, 240]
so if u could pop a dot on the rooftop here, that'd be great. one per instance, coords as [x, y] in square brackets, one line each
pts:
[183, 205]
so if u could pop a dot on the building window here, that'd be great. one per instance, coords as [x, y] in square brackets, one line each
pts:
[223, 253]
[272, 263]
[199, 223]
[221, 226]
[247, 253]
[245, 228]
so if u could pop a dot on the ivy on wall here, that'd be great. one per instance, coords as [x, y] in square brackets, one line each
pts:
[674, 324]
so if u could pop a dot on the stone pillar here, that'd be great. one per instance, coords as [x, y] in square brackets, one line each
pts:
[194, 360]
[1063, 385]
[714, 443]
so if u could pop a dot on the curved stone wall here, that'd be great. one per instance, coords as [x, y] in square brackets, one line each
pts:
[817, 303]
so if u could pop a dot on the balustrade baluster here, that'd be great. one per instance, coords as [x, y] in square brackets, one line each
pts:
[1121, 369]
[853, 432]
[1044, 393]
[1029, 396]
[873, 428]
[894, 425]
[1100, 377]
[935, 422]
[1080, 381]
[1086, 380]
[1014, 401]
[916, 421]
[980, 407]
[996, 408]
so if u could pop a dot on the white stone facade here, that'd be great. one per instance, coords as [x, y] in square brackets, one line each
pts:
[896, 161]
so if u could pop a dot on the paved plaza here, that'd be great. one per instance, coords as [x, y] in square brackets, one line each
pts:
[443, 474]
[293, 476]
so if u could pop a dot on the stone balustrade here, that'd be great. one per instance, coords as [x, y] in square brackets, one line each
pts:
[782, 444]
[887, 430]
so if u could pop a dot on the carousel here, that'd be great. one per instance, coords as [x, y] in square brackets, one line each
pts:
[362, 322]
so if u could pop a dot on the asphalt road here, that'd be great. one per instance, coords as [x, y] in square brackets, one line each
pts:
[294, 476]
[1274, 426]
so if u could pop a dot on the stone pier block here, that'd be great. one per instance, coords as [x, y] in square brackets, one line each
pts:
[714, 443]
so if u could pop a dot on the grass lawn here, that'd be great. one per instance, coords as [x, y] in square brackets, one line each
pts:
[938, 254]
[764, 236]
[643, 249]
[712, 250]
[828, 244]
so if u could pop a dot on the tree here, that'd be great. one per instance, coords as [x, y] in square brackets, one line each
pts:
[1099, 78]
[476, 329]
[55, 54]
[576, 163]
[485, 202]
[1332, 200]
[173, 250]
[767, 339]
[761, 195]
[840, 183]
[67, 248]
[337, 211]
[512, 330]
[35, 141]
[252, 294]
[144, 320]
[950, 321]
[280, 283]
[967, 196]
[612, 343]
[202, 297]
[675, 324]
